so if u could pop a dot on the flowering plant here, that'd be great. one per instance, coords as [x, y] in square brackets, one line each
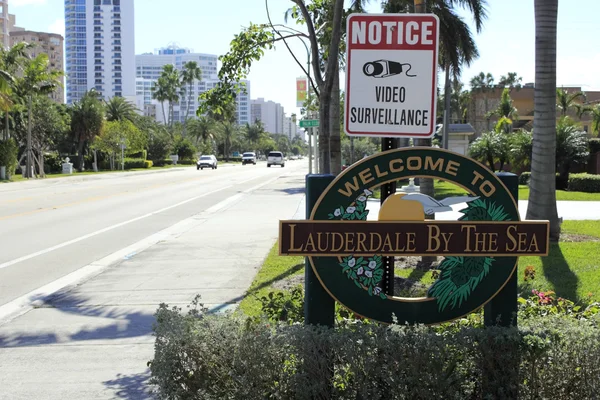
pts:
[366, 273]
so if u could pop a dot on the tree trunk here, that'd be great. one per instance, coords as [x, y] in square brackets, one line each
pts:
[187, 110]
[95, 161]
[335, 139]
[162, 103]
[80, 154]
[447, 109]
[6, 131]
[28, 162]
[542, 195]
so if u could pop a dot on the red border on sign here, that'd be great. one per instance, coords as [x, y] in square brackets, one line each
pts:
[392, 17]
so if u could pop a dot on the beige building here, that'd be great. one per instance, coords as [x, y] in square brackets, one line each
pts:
[483, 102]
[50, 44]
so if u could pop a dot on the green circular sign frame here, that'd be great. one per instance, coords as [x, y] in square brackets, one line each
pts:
[465, 284]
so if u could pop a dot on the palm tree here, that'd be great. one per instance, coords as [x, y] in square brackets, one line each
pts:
[87, 121]
[254, 132]
[191, 73]
[566, 100]
[119, 109]
[11, 62]
[228, 132]
[595, 119]
[202, 129]
[512, 80]
[505, 109]
[160, 93]
[36, 79]
[172, 84]
[542, 194]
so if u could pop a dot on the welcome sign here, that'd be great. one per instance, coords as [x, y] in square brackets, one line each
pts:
[480, 250]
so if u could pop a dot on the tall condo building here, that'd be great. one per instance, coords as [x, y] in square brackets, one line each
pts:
[271, 114]
[150, 65]
[100, 48]
[50, 44]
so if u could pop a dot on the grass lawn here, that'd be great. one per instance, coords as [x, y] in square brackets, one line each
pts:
[445, 189]
[19, 177]
[274, 268]
[571, 269]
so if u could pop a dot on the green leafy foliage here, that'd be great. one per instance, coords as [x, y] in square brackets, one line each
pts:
[594, 144]
[246, 47]
[8, 156]
[584, 183]
[198, 355]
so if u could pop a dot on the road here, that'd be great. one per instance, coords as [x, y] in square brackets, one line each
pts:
[85, 262]
[51, 228]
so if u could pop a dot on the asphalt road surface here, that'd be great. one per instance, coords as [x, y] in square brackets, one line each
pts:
[50, 228]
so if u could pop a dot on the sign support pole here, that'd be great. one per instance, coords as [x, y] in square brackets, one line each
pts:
[319, 307]
[502, 309]
[387, 190]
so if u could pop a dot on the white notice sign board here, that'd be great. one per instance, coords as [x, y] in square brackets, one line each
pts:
[391, 75]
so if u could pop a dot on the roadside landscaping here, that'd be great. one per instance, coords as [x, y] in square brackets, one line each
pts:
[445, 189]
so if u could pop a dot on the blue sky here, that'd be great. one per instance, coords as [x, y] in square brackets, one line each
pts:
[506, 43]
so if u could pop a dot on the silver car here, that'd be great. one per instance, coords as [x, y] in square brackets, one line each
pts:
[209, 161]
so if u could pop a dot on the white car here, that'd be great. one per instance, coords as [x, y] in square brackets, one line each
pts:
[275, 158]
[249, 158]
[209, 161]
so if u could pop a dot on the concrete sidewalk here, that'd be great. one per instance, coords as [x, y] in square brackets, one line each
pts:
[93, 341]
[568, 210]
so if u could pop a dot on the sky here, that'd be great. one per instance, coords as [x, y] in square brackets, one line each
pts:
[506, 43]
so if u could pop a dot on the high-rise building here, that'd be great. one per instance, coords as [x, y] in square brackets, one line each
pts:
[50, 44]
[150, 65]
[5, 23]
[100, 48]
[271, 115]
[290, 129]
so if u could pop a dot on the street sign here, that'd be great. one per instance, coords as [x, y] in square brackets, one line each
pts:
[391, 75]
[309, 123]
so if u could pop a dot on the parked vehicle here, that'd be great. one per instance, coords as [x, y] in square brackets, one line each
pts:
[249, 158]
[208, 161]
[275, 158]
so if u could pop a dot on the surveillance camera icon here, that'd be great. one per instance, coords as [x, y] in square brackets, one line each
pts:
[385, 68]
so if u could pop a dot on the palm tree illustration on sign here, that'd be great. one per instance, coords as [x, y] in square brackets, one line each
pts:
[386, 68]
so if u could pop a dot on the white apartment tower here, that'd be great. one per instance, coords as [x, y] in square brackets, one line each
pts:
[149, 67]
[271, 114]
[100, 48]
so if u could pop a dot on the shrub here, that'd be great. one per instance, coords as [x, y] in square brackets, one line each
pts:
[231, 159]
[185, 149]
[131, 163]
[8, 156]
[53, 163]
[223, 356]
[159, 147]
[524, 178]
[584, 183]
[148, 164]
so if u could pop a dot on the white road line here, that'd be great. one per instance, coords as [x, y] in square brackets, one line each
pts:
[24, 303]
[107, 229]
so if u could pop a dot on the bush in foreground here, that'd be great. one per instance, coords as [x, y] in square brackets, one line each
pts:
[230, 357]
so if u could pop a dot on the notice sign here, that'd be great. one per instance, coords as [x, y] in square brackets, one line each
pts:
[391, 75]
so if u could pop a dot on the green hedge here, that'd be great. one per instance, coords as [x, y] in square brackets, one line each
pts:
[584, 183]
[525, 177]
[131, 163]
[594, 144]
[8, 156]
[200, 356]
[231, 159]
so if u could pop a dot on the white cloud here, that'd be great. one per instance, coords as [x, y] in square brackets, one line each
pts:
[57, 26]
[19, 3]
